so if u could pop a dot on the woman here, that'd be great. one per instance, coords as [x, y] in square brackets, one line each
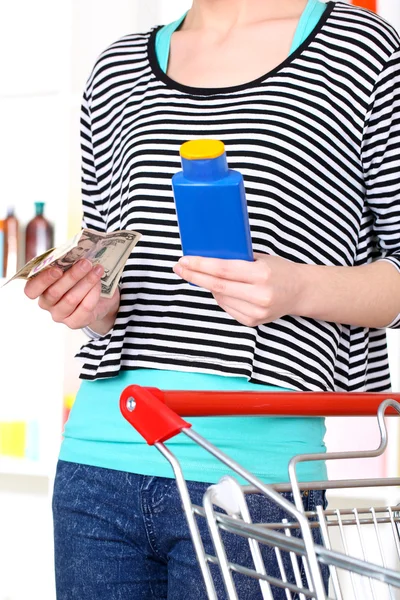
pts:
[306, 99]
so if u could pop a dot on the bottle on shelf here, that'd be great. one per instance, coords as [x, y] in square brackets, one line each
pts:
[11, 243]
[39, 234]
[2, 242]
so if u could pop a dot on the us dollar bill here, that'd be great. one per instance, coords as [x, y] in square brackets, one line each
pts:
[110, 250]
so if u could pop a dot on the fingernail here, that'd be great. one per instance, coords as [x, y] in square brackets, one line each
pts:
[98, 270]
[55, 273]
[184, 261]
[85, 265]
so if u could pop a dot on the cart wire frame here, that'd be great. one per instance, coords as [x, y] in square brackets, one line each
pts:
[146, 410]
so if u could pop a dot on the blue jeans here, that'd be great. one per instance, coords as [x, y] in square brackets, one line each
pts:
[120, 536]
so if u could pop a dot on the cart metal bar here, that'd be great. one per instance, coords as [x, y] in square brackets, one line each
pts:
[327, 543]
[380, 545]
[390, 519]
[325, 556]
[328, 485]
[191, 521]
[363, 549]
[277, 498]
[268, 578]
[265, 533]
[238, 509]
[316, 404]
[282, 571]
[219, 548]
[295, 566]
[395, 530]
[383, 408]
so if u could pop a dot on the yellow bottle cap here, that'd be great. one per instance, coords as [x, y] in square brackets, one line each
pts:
[202, 149]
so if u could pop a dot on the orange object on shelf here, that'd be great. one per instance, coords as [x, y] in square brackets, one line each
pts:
[370, 4]
[11, 243]
[2, 244]
[68, 403]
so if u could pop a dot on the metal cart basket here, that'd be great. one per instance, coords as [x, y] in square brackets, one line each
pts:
[361, 566]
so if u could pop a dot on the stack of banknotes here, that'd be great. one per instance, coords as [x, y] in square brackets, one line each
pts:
[110, 250]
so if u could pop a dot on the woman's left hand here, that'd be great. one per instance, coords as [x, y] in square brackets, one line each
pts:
[253, 293]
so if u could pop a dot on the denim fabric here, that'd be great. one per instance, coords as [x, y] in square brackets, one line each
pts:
[121, 536]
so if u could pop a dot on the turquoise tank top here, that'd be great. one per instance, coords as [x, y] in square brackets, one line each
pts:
[97, 434]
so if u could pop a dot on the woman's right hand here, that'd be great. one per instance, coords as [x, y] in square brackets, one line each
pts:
[73, 297]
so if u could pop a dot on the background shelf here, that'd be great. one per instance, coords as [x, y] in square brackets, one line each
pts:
[24, 466]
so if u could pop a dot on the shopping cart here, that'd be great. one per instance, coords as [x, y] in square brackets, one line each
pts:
[354, 574]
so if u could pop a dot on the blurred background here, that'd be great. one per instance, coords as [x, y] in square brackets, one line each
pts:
[48, 49]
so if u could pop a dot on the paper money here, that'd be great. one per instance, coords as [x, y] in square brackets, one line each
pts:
[110, 250]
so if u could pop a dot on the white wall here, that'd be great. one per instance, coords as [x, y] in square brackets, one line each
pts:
[34, 38]
[48, 49]
[390, 10]
[30, 113]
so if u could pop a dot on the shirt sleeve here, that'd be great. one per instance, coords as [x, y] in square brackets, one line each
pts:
[381, 163]
[91, 197]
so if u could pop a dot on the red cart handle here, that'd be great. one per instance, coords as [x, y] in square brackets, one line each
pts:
[144, 409]
[154, 413]
[294, 404]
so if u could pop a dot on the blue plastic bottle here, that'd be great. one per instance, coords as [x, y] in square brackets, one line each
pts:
[211, 204]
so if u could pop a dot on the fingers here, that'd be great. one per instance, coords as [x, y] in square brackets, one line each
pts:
[250, 312]
[73, 297]
[108, 306]
[223, 287]
[62, 300]
[83, 272]
[37, 285]
[239, 316]
[232, 270]
[44, 283]
[85, 312]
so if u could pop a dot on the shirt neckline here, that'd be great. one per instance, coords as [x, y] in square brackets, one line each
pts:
[186, 89]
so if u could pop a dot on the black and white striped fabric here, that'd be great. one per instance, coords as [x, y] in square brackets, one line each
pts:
[318, 143]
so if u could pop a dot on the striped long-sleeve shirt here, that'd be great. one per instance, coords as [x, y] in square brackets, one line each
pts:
[318, 143]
